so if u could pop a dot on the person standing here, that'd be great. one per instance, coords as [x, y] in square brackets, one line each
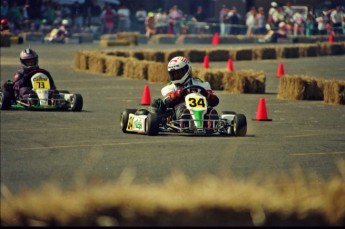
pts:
[124, 21]
[140, 16]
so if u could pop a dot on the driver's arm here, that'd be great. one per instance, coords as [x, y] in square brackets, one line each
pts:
[212, 99]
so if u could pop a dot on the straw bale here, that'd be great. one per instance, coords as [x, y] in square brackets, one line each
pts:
[107, 43]
[265, 53]
[131, 37]
[218, 55]
[213, 76]
[245, 81]
[243, 54]
[84, 59]
[97, 63]
[336, 49]
[157, 56]
[157, 73]
[194, 39]
[324, 49]
[195, 55]
[77, 59]
[334, 92]
[135, 69]
[108, 37]
[300, 88]
[138, 55]
[308, 50]
[115, 65]
[5, 40]
[290, 52]
[169, 54]
[163, 39]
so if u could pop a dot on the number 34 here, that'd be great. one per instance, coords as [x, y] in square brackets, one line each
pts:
[197, 102]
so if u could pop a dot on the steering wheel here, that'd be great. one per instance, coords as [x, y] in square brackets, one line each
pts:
[198, 88]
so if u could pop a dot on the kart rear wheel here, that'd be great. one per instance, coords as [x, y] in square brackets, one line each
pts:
[124, 119]
[77, 103]
[240, 125]
[5, 100]
[152, 124]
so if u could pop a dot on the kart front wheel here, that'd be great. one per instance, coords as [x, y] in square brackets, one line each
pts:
[240, 125]
[152, 124]
[77, 102]
[5, 100]
[124, 119]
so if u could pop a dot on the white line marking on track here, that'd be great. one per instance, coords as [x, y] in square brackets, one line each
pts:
[312, 154]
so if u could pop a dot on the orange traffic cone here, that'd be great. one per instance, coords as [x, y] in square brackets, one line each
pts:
[230, 65]
[261, 113]
[146, 99]
[331, 37]
[215, 39]
[280, 71]
[206, 62]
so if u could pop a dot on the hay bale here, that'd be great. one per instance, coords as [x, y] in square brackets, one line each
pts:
[194, 39]
[77, 59]
[157, 56]
[135, 69]
[84, 57]
[243, 54]
[163, 39]
[169, 54]
[5, 40]
[300, 88]
[334, 92]
[130, 37]
[115, 65]
[218, 55]
[195, 55]
[265, 53]
[108, 37]
[157, 73]
[245, 81]
[290, 52]
[336, 49]
[97, 63]
[107, 43]
[138, 55]
[213, 76]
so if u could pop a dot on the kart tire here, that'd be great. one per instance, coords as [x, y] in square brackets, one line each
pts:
[240, 125]
[152, 124]
[124, 119]
[77, 103]
[5, 100]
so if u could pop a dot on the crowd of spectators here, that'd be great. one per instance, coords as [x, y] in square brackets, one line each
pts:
[107, 18]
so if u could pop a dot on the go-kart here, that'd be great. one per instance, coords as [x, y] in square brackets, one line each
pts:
[198, 120]
[61, 100]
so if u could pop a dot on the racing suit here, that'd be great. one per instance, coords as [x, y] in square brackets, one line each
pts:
[22, 82]
[173, 98]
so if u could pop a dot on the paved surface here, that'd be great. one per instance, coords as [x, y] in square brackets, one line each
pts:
[67, 148]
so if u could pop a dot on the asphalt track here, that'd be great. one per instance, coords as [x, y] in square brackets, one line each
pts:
[68, 148]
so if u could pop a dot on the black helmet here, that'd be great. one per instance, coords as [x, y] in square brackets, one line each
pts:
[29, 59]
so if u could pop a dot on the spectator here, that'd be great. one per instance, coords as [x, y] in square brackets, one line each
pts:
[298, 23]
[4, 10]
[250, 21]
[15, 15]
[140, 16]
[198, 24]
[321, 24]
[336, 18]
[200, 15]
[108, 16]
[261, 21]
[77, 16]
[175, 20]
[124, 22]
[95, 12]
[272, 11]
[277, 17]
[273, 36]
[234, 18]
[309, 25]
[223, 19]
[150, 24]
[162, 21]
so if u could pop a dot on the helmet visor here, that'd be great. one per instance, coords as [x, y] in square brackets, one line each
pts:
[30, 62]
[178, 74]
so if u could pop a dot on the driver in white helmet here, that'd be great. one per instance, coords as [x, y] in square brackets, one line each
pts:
[22, 78]
[180, 73]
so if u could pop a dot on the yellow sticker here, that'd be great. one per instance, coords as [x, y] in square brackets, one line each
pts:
[197, 102]
[41, 84]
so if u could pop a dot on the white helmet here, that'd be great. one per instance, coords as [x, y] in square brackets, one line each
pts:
[179, 69]
[64, 22]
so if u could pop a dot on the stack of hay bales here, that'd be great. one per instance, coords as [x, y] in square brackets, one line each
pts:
[334, 92]
[245, 81]
[300, 88]
[5, 39]
[119, 39]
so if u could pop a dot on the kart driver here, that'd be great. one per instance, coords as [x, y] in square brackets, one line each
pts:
[180, 73]
[22, 78]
